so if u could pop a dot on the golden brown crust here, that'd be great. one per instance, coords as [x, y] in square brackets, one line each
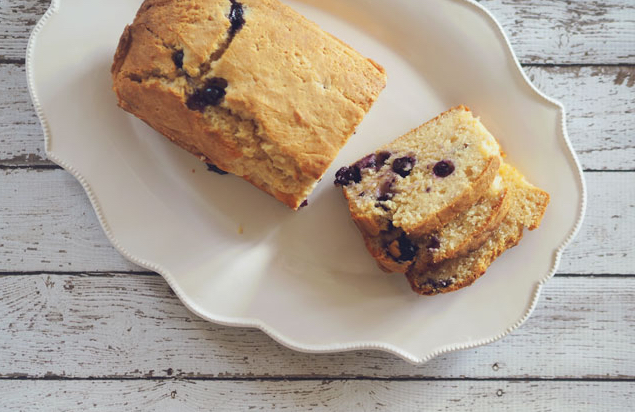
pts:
[122, 51]
[288, 109]
[540, 202]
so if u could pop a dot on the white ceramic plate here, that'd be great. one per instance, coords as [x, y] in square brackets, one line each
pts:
[305, 277]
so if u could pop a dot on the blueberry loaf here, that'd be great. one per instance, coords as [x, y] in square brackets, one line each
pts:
[251, 87]
[528, 205]
[395, 251]
[423, 179]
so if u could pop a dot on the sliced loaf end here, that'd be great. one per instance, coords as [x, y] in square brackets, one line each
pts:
[528, 205]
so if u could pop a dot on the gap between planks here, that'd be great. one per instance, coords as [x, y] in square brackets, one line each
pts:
[19, 62]
[580, 65]
[308, 378]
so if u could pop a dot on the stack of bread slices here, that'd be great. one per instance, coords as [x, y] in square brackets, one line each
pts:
[440, 204]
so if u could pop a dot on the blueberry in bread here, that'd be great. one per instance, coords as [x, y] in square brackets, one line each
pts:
[423, 179]
[249, 86]
[466, 232]
[528, 205]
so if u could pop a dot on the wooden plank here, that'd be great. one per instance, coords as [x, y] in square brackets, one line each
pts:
[600, 102]
[574, 32]
[21, 138]
[132, 326]
[47, 224]
[338, 395]
[17, 19]
[46, 221]
[606, 242]
[541, 31]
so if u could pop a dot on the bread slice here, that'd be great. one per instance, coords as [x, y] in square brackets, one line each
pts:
[466, 232]
[528, 205]
[423, 179]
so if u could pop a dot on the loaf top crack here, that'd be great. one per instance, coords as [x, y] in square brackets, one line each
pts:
[251, 86]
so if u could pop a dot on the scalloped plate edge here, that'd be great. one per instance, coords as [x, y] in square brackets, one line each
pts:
[244, 322]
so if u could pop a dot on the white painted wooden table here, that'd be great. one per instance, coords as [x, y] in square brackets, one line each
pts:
[81, 328]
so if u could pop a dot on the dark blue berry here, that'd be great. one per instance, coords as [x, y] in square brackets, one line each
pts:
[407, 249]
[373, 160]
[209, 95]
[215, 169]
[177, 58]
[403, 166]
[236, 17]
[381, 159]
[346, 175]
[367, 162]
[444, 168]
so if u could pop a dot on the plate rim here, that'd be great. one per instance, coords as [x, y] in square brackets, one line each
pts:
[261, 325]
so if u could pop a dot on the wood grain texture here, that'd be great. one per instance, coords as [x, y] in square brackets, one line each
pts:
[133, 326]
[606, 242]
[541, 31]
[17, 19]
[568, 32]
[600, 102]
[47, 224]
[21, 137]
[600, 105]
[46, 221]
[315, 396]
